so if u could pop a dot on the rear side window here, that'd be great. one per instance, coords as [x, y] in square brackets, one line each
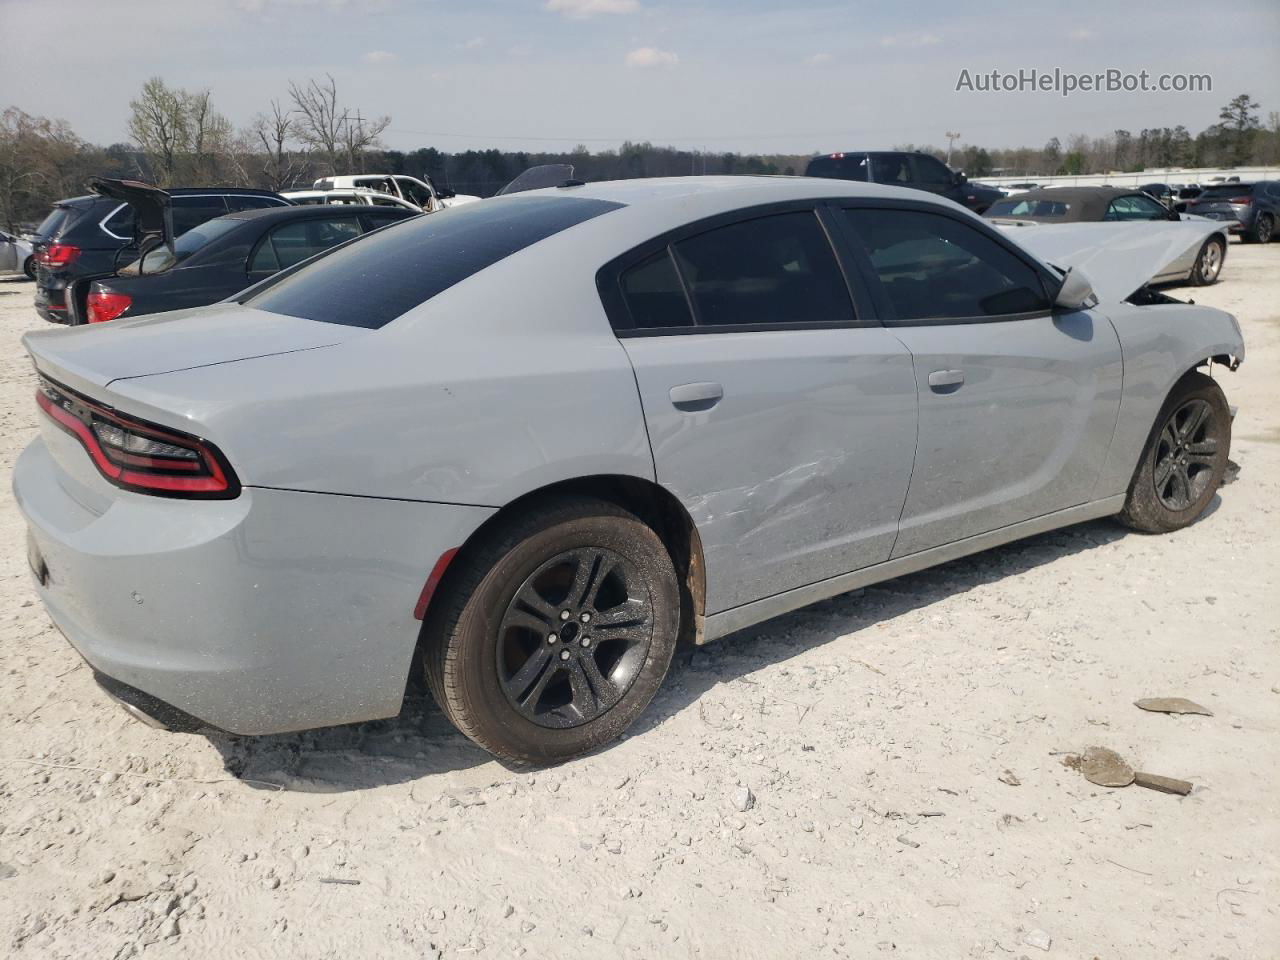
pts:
[292, 243]
[772, 270]
[190, 212]
[654, 295]
[839, 167]
[934, 268]
[121, 223]
[371, 283]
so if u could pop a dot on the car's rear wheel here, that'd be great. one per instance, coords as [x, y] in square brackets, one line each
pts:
[1263, 230]
[555, 633]
[1209, 263]
[1185, 458]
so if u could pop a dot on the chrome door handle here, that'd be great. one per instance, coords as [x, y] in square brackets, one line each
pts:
[941, 380]
[695, 397]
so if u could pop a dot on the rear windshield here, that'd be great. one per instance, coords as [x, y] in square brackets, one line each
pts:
[370, 282]
[196, 238]
[1227, 190]
[59, 219]
[852, 167]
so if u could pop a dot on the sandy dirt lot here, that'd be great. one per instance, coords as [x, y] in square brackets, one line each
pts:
[902, 746]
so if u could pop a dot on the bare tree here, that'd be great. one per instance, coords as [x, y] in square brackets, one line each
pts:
[281, 165]
[338, 134]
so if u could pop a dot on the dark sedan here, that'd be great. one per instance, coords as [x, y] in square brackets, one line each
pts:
[223, 256]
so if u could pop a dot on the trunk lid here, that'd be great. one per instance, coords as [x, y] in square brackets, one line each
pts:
[90, 358]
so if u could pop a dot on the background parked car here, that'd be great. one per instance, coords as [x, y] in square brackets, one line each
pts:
[919, 171]
[1251, 210]
[1196, 258]
[17, 256]
[222, 256]
[1164, 192]
[85, 236]
[421, 193]
[355, 196]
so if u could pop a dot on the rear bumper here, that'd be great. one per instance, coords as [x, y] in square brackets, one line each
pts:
[273, 612]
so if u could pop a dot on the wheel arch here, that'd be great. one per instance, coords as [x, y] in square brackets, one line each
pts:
[649, 501]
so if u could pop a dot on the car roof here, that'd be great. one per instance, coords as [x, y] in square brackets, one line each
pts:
[300, 212]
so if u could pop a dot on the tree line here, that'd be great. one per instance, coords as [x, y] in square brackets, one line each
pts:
[179, 137]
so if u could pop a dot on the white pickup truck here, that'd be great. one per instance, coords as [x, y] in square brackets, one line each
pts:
[421, 194]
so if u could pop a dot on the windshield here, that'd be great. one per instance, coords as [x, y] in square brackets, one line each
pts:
[371, 281]
[160, 259]
[1227, 190]
[1028, 208]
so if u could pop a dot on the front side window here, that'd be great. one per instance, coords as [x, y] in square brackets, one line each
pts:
[1048, 209]
[930, 170]
[932, 267]
[770, 270]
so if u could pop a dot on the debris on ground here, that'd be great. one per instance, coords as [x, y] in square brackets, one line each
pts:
[1163, 784]
[743, 799]
[1038, 939]
[1104, 767]
[1172, 705]
[1010, 778]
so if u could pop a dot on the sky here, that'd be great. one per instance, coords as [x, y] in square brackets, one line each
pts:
[718, 75]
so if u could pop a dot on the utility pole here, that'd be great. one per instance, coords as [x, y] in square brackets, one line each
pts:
[951, 139]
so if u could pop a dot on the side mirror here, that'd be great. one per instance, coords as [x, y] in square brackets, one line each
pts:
[961, 178]
[1076, 292]
[444, 193]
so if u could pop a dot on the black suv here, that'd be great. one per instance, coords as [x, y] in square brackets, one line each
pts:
[91, 236]
[1251, 209]
[896, 169]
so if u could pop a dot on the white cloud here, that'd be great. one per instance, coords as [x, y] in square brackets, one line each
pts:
[651, 57]
[379, 56]
[474, 43]
[817, 58]
[582, 9]
[1080, 34]
[911, 40]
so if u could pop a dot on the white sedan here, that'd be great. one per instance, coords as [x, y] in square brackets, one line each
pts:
[16, 256]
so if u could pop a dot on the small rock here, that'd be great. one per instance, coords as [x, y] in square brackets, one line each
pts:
[527, 926]
[1038, 939]
[436, 913]
[272, 883]
[908, 842]
[170, 928]
[106, 876]
[1010, 778]
[7, 871]
[743, 799]
[507, 911]
[613, 846]
[108, 778]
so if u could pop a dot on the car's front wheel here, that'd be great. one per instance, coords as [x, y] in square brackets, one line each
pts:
[1209, 263]
[29, 267]
[556, 631]
[1184, 460]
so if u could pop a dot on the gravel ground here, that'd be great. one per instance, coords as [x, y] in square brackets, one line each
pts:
[878, 774]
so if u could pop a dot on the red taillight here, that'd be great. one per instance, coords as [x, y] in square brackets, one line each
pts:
[1242, 201]
[103, 305]
[57, 255]
[137, 455]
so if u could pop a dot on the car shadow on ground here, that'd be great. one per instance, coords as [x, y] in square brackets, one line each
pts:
[421, 742]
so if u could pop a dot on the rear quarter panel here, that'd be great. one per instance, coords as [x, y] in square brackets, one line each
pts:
[1160, 343]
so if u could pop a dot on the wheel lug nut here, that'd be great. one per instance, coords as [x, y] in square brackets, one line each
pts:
[564, 614]
[585, 618]
[586, 641]
[552, 638]
[564, 654]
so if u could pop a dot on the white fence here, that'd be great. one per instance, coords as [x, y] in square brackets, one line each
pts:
[1203, 176]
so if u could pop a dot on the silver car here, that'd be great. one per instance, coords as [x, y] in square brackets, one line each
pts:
[17, 256]
[541, 439]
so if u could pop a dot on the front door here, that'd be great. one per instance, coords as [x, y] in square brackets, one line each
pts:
[784, 427]
[1018, 402]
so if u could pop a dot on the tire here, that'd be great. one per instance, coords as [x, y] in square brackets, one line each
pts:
[1193, 431]
[29, 267]
[1263, 230]
[1209, 262]
[516, 676]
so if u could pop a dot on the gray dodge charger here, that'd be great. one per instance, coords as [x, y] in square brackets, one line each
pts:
[530, 444]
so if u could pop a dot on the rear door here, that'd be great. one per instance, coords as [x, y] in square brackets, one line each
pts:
[783, 423]
[1017, 401]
